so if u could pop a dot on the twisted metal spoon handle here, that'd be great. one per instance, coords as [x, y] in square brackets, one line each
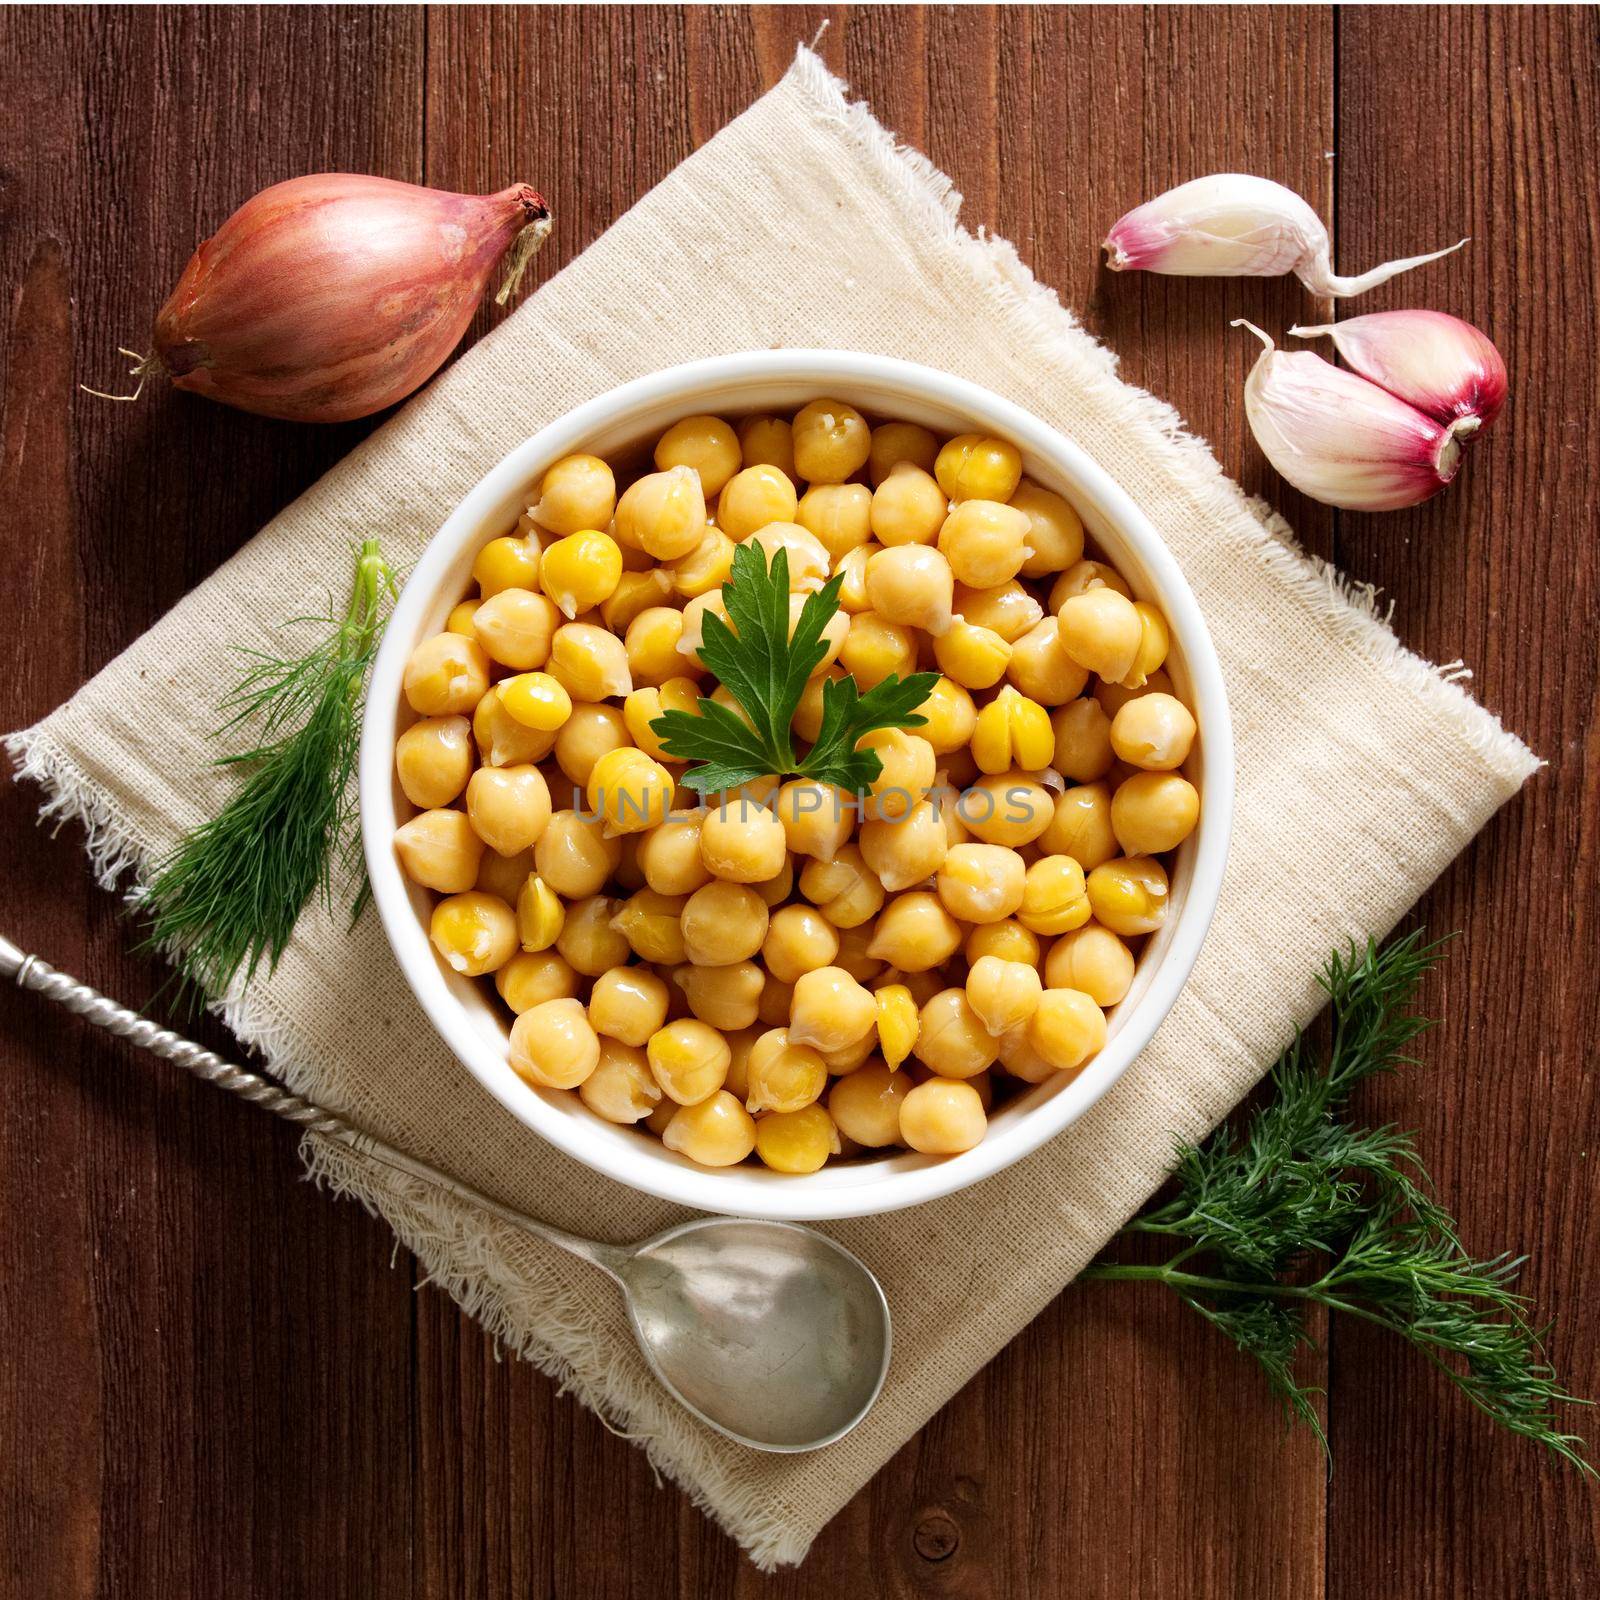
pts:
[30, 972]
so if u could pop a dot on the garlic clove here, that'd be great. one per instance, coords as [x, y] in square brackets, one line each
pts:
[1236, 225]
[1442, 365]
[1341, 439]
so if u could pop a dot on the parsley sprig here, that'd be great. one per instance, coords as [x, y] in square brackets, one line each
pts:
[766, 670]
[1298, 1207]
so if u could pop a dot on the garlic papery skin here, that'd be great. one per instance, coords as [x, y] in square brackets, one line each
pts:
[1340, 439]
[1234, 225]
[1442, 365]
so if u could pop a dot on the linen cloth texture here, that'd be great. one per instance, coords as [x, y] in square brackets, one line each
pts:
[1323, 699]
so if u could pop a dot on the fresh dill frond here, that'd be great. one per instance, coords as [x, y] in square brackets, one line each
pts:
[1296, 1207]
[229, 894]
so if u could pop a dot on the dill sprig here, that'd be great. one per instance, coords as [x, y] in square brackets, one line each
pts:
[1297, 1207]
[228, 896]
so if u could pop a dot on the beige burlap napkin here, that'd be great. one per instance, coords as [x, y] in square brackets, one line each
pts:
[803, 224]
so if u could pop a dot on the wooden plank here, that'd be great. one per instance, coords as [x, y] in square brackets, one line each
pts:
[1452, 122]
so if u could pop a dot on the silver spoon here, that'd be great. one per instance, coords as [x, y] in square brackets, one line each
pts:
[767, 1331]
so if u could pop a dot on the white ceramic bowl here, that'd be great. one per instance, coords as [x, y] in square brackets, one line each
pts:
[465, 1012]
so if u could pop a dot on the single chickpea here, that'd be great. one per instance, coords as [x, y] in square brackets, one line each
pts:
[663, 513]
[1055, 531]
[535, 700]
[753, 498]
[707, 445]
[1007, 609]
[986, 542]
[1054, 898]
[509, 562]
[1081, 577]
[636, 592]
[782, 1075]
[504, 875]
[590, 732]
[1012, 731]
[1003, 994]
[981, 883]
[973, 467]
[912, 585]
[1041, 667]
[589, 663]
[767, 442]
[952, 1040]
[1021, 1060]
[706, 567]
[1114, 696]
[693, 635]
[797, 1141]
[652, 925]
[844, 888]
[974, 657]
[905, 850]
[509, 807]
[865, 1106]
[1091, 959]
[728, 998]
[714, 1132]
[950, 717]
[817, 818]
[1100, 630]
[574, 856]
[808, 561]
[942, 1117]
[528, 980]
[875, 648]
[515, 627]
[1155, 732]
[439, 850]
[541, 914]
[1081, 826]
[741, 842]
[577, 492]
[899, 1019]
[776, 999]
[589, 940]
[579, 572]
[851, 568]
[460, 619]
[644, 708]
[446, 676]
[1083, 740]
[722, 923]
[799, 940]
[1154, 811]
[629, 791]
[629, 1004]
[1066, 1028]
[1009, 808]
[1006, 939]
[908, 507]
[830, 1009]
[834, 633]
[553, 1046]
[501, 739]
[855, 955]
[433, 760]
[669, 854]
[909, 767]
[915, 932]
[839, 514]
[474, 932]
[831, 441]
[896, 442]
[689, 1060]
[620, 1088]
[1129, 895]
[1155, 639]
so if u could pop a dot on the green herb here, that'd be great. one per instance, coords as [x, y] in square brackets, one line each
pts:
[766, 671]
[228, 896]
[1298, 1207]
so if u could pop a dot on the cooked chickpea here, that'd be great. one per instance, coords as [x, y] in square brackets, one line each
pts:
[851, 569]
[981, 882]
[694, 615]
[439, 850]
[781, 1075]
[541, 914]
[579, 572]
[663, 513]
[1129, 895]
[589, 939]
[651, 923]
[942, 1117]
[1021, 1060]
[574, 856]
[974, 657]
[896, 442]
[973, 467]
[460, 619]
[509, 562]
[1114, 696]
[912, 585]
[1009, 808]
[950, 717]
[1081, 577]
[1055, 531]
[776, 998]
[590, 732]
[817, 818]
[952, 1040]
[528, 980]
[899, 1018]
[1083, 740]
[553, 1046]
[433, 760]
[501, 739]
[620, 1088]
[1081, 826]
[844, 889]
[1054, 898]
[688, 1059]
[515, 628]
[474, 932]
[577, 492]
[706, 567]
[1041, 667]
[986, 542]
[708, 445]
[742, 842]
[504, 875]
[855, 954]
[446, 676]
[805, 556]
[874, 648]
[509, 807]
[1101, 631]
[799, 940]
[723, 922]
[1093, 959]
[629, 1004]
[1007, 609]
[1155, 732]
[1003, 994]
[645, 707]
[635, 592]
[905, 850]
[834, 633]
[729, 998]
[1007, 939]
[714, 1132]
[830, 1009]
[629, 790]
[909, 768]
[767, 442]
[865, 1106]
[1154, 811]
[1066, 1028]
[908, 508]
[915, 932]
[589, 663]
[831, 441]
[753, 498]
[839, 514]
[796, 1141]
[1012, 731]
[669, 854]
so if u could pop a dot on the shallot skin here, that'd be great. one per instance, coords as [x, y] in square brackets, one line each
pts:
[331, 296]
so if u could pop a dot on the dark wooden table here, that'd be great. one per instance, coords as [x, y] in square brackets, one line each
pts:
[215, 1380]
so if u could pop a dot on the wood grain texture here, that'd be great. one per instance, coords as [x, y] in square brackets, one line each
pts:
[212, 1379]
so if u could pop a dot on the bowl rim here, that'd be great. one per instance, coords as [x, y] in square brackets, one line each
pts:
[795, 1198]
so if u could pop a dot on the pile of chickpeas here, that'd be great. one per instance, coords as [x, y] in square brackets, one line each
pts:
[791, 973]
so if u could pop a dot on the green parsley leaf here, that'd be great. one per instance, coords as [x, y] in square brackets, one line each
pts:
[766, 670]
